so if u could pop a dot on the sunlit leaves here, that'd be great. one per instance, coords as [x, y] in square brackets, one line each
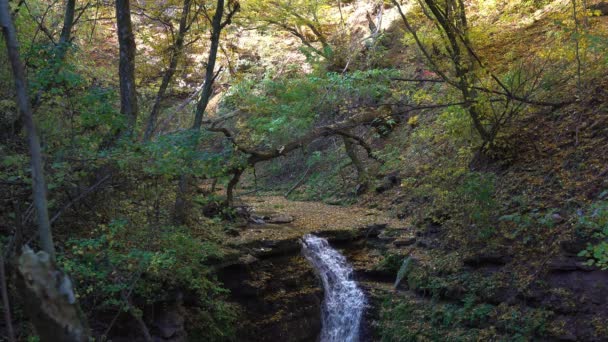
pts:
[277, 110]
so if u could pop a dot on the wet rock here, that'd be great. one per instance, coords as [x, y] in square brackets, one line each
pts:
[403, 242]
[487, 258]
[269, 248]
[280, 219]
[373, 230]
[169, 323]
[388, 182]
[600, 8]
[565, 264]
[341, 235]
[279, 299]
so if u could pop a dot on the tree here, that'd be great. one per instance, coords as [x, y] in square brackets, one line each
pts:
[176, 52]
[303, 19]
[66, 30]
[48, 292]
[450, 20]
[258, 154]
[126, 68]
[217, 25]
[23, 103]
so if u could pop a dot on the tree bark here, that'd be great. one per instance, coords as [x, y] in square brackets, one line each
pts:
[10, 332]
[23, 102]
[66, 31]
[49, 297]
[176, 53]
[216, 30]
[351, 151]
[236, 177]
[126, 68]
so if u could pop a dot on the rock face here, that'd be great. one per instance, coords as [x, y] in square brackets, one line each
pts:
[169, 323]
[280, 295]
[280, 298]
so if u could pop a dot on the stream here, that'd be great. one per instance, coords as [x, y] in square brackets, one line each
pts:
[344, 301]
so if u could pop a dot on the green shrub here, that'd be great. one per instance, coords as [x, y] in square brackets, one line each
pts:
[149, 263]
[595, 223]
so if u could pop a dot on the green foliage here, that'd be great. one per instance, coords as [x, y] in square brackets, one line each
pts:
[403, 319]
[477, 192]
[595, 223]
[403, 270]
[152, 263]
[279, 110]
[391, 263]
[52, 73]
[529, 227]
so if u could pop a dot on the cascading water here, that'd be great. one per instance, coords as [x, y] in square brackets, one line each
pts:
[344, 301]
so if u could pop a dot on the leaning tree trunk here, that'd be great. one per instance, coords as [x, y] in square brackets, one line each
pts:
[23, 102]
[176, 52]
[181, 201]
[48, 293]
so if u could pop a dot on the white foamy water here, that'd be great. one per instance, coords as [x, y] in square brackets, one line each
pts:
[344, 301]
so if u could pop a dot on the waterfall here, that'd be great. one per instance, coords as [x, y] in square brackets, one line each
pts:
[344, 301]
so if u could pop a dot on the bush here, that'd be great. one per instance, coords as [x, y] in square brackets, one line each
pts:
[120, 258]
[595, 224]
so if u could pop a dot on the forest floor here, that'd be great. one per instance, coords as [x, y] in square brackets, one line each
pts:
[306, 218]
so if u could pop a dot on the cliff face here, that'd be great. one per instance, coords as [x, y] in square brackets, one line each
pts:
[276, 289]
[279, 297]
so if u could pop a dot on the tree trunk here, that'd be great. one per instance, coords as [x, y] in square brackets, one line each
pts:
[236, 176]
[126, 68]
[351, 151]
[176, 53]
[49, 298]
[216, 30]
[66, 31]
[23, 102]
[180, 209]
[179, 213]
